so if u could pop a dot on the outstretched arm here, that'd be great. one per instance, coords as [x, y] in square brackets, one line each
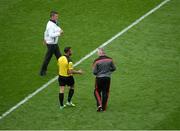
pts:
[72, 71]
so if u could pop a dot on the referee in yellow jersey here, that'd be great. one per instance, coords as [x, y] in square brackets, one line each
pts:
[66, 72]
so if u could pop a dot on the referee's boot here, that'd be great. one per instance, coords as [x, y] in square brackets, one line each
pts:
[70, 104]
[62, 107]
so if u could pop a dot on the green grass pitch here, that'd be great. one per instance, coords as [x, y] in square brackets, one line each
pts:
[144, 89]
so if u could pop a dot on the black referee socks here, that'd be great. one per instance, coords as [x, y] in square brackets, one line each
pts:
[61, 98]
[71, 92]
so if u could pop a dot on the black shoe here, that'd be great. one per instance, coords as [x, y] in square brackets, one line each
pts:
[42, 73]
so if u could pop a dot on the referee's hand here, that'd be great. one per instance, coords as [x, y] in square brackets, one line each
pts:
[80, 72]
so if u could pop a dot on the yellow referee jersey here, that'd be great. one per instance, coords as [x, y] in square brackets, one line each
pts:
[64, 66]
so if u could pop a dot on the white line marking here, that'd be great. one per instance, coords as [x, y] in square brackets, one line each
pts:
[84, 58]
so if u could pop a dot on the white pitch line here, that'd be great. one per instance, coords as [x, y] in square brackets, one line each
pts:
[84, 58]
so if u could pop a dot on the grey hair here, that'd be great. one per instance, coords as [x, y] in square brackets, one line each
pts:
[100, 49]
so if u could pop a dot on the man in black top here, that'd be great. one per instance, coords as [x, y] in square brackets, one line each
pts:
[103, 66]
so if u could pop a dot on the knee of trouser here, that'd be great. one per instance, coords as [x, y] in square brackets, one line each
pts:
[105, 95]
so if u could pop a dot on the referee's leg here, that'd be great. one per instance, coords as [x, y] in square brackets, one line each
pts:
[62, 83]
[47, 58]
[71, 83]
[61, 96]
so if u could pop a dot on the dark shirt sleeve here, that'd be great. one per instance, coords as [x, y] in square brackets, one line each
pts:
[95, 70]
[112, 67]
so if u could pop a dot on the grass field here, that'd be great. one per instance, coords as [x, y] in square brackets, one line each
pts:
[144, 90]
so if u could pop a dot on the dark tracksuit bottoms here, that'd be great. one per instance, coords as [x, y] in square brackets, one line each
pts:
[51, 49]
[101, 91]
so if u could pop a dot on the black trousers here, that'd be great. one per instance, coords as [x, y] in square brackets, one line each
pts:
[51, 49]
[101, 91]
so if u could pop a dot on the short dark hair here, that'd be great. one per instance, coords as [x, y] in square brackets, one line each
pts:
[66, 49]
[52, 13]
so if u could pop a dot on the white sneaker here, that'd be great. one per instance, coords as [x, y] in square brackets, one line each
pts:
[70, 104]
[62, 107]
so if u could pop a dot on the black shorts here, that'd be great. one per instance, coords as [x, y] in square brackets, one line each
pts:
[63, 81]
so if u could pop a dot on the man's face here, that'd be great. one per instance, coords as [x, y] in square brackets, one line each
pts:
[70, 52]
[55, 17]
[99, 52]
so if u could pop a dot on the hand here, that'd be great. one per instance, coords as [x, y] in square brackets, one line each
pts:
[61, 32]
[80, 72]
